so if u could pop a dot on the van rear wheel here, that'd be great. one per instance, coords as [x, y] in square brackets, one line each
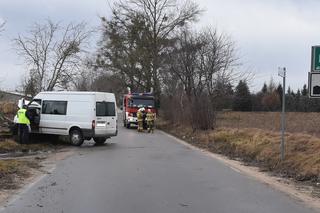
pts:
[100, 140]
[76, 137]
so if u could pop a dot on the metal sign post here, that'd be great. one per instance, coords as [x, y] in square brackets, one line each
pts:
[282, 73]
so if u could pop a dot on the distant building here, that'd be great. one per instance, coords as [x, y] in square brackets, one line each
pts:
[12, 96]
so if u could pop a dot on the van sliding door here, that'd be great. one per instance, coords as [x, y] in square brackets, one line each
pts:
[53, 117]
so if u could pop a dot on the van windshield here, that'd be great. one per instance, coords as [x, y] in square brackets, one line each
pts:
[141, 102]
[105, 109]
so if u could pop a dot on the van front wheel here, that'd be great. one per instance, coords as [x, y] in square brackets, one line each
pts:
[100, 140]
[76, 137]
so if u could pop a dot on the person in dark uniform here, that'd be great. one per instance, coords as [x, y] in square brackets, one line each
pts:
[23, 122]
[144, 118]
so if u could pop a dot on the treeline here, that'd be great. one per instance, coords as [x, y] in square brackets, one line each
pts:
[152, 44]
[269, 98]
[145, 45]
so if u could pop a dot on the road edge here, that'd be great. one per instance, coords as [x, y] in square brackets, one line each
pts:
[49, 165]
[253, 172]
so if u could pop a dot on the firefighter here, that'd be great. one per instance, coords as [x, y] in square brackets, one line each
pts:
[140, 120]
[144, 113]
[23, 122]
[150, 120]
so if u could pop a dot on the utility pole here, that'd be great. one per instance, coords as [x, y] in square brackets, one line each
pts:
[282, 73]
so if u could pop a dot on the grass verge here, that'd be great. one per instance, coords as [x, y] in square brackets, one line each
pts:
[12, 172]
[10, 146]
[18, 162]
[258, 147]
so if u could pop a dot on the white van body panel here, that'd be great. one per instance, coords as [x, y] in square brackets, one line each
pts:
[80, 112]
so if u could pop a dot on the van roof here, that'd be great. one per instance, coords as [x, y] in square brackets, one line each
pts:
[73, 93]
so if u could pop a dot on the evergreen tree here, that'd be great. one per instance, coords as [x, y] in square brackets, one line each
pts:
[289, 91]
[304, 91]
[304, 100]
[242, 97]
[264, 89]
[298, 105]
[280, 91]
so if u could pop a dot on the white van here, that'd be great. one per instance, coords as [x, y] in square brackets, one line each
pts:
[81, 115]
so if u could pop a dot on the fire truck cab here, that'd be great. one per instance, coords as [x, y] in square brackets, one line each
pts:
[134, 101]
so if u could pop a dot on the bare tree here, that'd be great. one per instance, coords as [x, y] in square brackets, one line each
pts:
[28, 86]
[86, 76]
[162, 17]
[2, 24]
[205, 65]
[52, 53]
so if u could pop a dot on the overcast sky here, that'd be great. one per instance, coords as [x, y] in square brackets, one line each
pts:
[268, 34]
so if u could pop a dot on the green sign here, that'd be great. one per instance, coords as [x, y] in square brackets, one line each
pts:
[315, 59]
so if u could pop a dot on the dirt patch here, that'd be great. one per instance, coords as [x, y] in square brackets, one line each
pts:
[12, 172]
[20, 163]
[20, 173]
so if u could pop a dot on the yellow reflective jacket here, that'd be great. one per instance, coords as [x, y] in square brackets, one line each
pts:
[22, 118]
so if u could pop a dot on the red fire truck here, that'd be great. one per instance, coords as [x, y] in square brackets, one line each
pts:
[134, 101]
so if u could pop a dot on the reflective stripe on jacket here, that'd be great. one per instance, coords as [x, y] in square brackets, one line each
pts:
[150, 116]
[140, 116]
[22, 118]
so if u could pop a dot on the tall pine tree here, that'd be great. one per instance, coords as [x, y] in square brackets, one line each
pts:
[242, 97]
[304, 91]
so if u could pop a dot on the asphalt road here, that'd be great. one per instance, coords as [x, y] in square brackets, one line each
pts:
[149, 173]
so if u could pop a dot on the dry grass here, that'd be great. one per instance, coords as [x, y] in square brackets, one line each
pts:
[13, 171]
[297, 122]
[8, 146]
[258, 146]
[302, 160]
[8, 107]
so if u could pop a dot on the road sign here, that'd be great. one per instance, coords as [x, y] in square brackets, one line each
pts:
[314, 84]
[315, 59]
